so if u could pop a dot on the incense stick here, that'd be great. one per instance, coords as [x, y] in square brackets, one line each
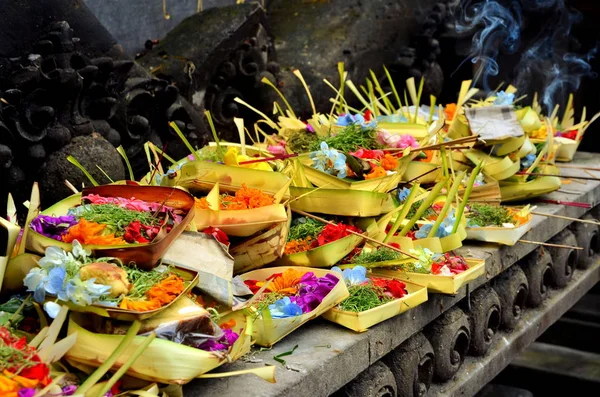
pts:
[550, 244]
[567, 203]
[578, 167]
[567, 218]
[415, 178]
[317, 218]
[71, 187]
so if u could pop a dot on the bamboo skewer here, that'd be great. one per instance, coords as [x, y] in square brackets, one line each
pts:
[586, 178]
[448, 144]
[372, 240]
[567, 218]
[550, 244]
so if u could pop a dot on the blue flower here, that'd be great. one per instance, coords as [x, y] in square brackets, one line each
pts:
[36, 281]
[527, 161]
[84, 293]
[328, 160]
[284, 308]
[503, 98]
[55, 284]
[444, 230]
[355, 276]
[403, 194]
[349, 119]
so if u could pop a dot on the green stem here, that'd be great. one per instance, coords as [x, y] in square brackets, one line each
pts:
[117, 375]
[405, 208]
[213, 129]
[423, 207]
[77, 164]
[461, 207]
[183, 138]
[447, 204]
[107, 365]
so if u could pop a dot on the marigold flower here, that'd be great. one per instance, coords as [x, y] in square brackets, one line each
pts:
[389, 162]
[376, 172]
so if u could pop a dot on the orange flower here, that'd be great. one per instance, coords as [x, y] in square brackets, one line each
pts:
[284, 283]
[450, 111]
[296, 246]
[228, 324]
[90, 233]
[159, 295]
[389, 162]
[429, 156]
[244, 199]
[376, 172]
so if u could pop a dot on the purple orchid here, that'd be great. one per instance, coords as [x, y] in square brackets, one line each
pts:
[313, 290]
[26, 392]
[224, 343]
[53, 226]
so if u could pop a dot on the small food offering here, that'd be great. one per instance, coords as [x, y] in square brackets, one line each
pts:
[286, 298]
[79, 280]
[498, 224]
[373, 299]
[132, 223]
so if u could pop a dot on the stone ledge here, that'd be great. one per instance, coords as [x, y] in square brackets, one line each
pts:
[315, 369]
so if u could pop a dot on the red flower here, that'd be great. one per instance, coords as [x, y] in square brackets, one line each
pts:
[391, 287]
[570, 134]
[218, 234]
[333, 233]
[133, 233]
[368, 116]
[456, 264]
[38, 372]
[395, 245]
[251, 284]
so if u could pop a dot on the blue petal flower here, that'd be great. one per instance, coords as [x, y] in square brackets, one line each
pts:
[503, 98]
[403, 194]
[355, 276]
[285, 308]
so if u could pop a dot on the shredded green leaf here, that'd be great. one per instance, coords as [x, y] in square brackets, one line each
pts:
[305, 227]
[114, 216]
[288, 353]
[350, 139]
[489, 215]
[301, 141]
[143, 280]
[364, 297]
[381, 254]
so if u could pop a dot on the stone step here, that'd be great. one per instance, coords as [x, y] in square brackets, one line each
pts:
[495, 390]
[573, 333]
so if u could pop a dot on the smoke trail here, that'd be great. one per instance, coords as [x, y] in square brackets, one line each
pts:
[500, 30]
[546, 65]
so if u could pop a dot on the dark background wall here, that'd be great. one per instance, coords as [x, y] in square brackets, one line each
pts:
[132, 22]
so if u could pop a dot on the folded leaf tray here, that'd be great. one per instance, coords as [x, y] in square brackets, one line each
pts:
[262, 249]
[500, 235]
[362, 321]
[436, 283]
[566, 150]
[341, 202]
[323, 179]
[162, 361]
[190, 279]
[145, 256]
[267, 331]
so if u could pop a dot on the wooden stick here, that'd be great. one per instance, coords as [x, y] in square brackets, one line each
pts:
[586, 178]
[550, 245]
[317, 218]
[578, 167]
[567, 218]
[447, 144]
[415, 178]
[567, 203]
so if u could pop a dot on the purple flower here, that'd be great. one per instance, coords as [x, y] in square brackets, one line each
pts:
[224, 343]
[69, 390]
[52, 226]
[313, 290]
[26, 392]
[310, 128]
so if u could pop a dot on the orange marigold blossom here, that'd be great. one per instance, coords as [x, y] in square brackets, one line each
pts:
[90, 233]
[159, 295]
[283, 283]
[450, 111]
[376, 172]
[296, 246]
[389, 162]
[245, 198]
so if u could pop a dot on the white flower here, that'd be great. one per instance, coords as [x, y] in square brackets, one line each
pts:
[52, 309]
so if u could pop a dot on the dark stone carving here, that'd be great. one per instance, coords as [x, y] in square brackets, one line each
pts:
[216, 56]
[58, 92]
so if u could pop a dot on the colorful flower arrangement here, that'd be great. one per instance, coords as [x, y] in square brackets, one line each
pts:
[109, 221]
[307, 233]
[437, 264]
[22, 372]
[367, 293]
[292, 293]
[77, 278]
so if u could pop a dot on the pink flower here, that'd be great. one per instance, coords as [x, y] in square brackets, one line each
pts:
[396, 141]
[277, 150]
